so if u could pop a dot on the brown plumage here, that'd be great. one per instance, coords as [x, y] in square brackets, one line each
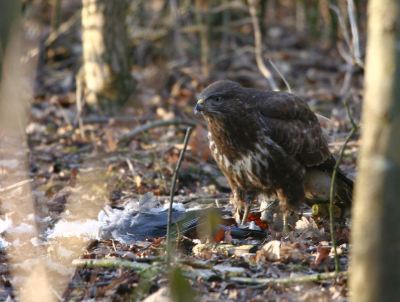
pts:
[269, 143]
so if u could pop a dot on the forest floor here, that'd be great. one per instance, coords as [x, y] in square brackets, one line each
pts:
[78, 171]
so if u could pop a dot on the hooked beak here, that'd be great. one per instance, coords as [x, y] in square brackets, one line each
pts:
[199, 107]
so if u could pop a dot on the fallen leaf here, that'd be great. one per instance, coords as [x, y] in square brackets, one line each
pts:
[322, 256]
[277, 250]
[199, 143]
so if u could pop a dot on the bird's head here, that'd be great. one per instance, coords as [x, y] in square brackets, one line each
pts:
[217, 98]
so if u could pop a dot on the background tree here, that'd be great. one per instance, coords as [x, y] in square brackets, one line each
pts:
[375, 268]
[106, 64]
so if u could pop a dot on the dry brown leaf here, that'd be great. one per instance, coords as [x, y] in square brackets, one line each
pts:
[112, 146]
[277, 250]
[199, 143]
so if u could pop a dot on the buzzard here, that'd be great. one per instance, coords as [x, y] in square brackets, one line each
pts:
[269, 144]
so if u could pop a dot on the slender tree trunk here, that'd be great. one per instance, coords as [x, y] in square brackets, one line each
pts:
[375, 260]
[105, 52]
[34, 284]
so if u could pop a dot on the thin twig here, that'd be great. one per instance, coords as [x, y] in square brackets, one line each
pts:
[178, 165]
[14, 186]
[257, 37]
[307, 278]
[79, 106]
[347, 80]
[128, 161]
[333, 184]
[80, 102]
[355, 46]
[280, 74]
[63, 28]
[155, 124]
[56, 294]
[353, 124]
[342, 25]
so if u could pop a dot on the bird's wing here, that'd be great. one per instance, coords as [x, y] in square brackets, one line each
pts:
[294, 127]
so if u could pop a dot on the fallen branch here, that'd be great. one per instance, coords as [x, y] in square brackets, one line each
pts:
[110, 263]
[17, 185]
[289, 280]
[155, 124]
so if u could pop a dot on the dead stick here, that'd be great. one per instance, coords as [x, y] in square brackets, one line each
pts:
[17, 185]
[185, 142]
[307, 278]
[109, 263]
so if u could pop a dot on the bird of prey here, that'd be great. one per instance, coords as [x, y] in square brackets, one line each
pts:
[269, 144]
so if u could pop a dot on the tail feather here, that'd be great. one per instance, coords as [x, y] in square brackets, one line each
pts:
[344, 188]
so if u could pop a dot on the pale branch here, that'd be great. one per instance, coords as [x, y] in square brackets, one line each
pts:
[355, 46]
[131, 168]
[342, 25]
[159, 123]
[342, 52]
[14, 186]
[333, 185]
[279, 72]
[169, 221]
[354, 31]
[258, 49]
[110, 263]
[289, 280]
[63, 28]
[347, 81]
[80, 102]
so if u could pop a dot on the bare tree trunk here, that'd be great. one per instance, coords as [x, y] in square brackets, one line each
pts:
[105, 52]
[13, 145]
[375, 264]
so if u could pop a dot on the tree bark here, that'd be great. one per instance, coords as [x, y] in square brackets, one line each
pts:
[105, 53]
[375, 261]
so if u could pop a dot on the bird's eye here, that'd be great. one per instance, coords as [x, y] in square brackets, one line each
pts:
[217, 99]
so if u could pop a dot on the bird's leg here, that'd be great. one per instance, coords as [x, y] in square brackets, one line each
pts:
[285, 223]
[248, 198]
[246, 213]
[269, 205]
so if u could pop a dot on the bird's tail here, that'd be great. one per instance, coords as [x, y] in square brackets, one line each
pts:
[344, 189]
